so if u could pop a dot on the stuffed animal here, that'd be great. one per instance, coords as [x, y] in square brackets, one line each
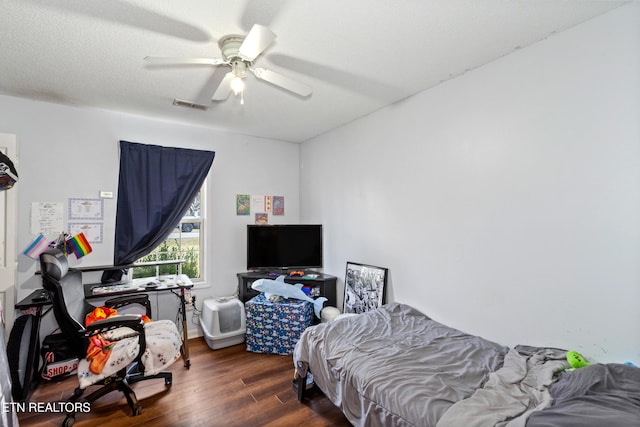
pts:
[576, 360]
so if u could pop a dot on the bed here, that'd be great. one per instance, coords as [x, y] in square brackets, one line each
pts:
[397, 367]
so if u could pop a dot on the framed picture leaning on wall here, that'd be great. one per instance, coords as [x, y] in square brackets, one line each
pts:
[364, 287]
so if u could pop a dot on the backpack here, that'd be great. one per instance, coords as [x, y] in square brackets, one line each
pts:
[22, 355]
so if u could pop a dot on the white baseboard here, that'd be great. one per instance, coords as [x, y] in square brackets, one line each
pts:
[194, 333]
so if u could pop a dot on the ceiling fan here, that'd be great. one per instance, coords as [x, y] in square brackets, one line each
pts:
[239, 53]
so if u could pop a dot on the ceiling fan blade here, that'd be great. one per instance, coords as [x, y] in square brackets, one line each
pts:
[211, 85]
[187, 61]
[283, 81]
[256, 41]
[224, 88]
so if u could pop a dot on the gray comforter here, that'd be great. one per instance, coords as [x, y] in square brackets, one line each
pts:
[594, 396]
[394, 366]
[512, 393]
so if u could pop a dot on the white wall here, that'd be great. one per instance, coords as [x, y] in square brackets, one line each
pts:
[67, 152]
[505, 202]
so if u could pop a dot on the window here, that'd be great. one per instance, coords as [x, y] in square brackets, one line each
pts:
[156, 186]
[185, 242]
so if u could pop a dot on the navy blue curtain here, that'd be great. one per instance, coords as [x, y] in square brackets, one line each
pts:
[155, 188]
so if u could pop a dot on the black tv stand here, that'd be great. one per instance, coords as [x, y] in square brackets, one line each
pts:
[270, 272]
[323, 285]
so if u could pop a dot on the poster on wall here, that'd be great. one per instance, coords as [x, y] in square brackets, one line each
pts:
[243, 204]
[92, 209]
[262, 219]
[46, 217]
[278, 205]
[92, 231]
[260, 204]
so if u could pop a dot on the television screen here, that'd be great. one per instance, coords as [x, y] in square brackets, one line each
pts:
[284, 246]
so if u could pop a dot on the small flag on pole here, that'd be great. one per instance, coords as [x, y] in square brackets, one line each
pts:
[79, 245]
[39, 245]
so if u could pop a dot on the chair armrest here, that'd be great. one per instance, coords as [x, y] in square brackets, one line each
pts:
[123, 301]
[129, 321]
[121, 321]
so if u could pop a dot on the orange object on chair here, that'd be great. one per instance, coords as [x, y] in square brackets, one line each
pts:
[100, 349]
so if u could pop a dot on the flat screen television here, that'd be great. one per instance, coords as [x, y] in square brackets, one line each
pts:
[283, 247]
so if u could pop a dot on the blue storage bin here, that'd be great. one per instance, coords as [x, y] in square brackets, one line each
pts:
[275, 327]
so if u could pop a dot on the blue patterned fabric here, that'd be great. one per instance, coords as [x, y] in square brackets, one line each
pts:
[275, 327]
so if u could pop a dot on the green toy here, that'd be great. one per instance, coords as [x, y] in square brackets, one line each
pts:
[576, 360]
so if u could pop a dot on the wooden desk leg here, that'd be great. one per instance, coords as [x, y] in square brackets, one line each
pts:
[185, 334]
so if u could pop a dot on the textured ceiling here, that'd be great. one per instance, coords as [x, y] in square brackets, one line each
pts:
[357, 55]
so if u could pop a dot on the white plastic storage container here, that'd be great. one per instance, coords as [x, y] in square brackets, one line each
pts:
[223, 322]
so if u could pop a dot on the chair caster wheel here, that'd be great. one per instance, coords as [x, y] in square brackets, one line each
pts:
[168, 382]
[69, 421]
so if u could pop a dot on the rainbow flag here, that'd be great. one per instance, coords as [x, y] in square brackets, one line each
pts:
[37, 247]
[79, 245]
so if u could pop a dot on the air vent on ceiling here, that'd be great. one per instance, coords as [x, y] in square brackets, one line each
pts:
[183, 103]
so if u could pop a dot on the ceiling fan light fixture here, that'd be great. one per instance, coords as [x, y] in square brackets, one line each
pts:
[237, 85]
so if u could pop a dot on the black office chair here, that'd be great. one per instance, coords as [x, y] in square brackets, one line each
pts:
[158, 343]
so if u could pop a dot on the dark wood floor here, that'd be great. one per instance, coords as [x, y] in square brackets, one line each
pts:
[226, 387]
